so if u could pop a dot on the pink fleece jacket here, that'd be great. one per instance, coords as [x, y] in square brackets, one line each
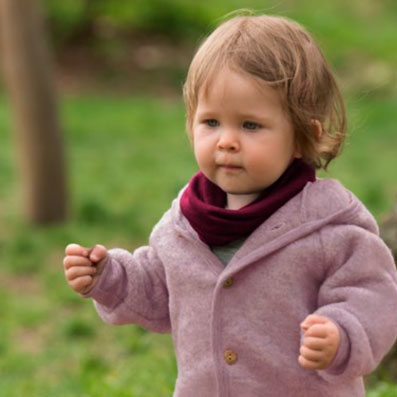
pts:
[236, 328]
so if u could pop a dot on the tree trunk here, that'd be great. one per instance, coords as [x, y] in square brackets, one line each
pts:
[28, 77]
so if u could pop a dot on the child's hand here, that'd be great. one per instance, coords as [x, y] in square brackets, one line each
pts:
[320, 342]
[83, 266]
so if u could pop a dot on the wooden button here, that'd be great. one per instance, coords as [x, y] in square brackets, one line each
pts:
[230, 357]
[228, 282]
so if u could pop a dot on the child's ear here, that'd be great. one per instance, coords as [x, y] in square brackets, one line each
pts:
[318, 132]
[317, 128]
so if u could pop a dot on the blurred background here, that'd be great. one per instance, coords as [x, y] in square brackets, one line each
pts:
[93, 149]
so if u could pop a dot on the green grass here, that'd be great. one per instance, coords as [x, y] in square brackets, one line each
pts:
[127, 158]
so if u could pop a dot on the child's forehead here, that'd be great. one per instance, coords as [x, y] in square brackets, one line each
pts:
[224, 76]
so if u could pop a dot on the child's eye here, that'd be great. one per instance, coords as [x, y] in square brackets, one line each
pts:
[250, 125]
[211, 122]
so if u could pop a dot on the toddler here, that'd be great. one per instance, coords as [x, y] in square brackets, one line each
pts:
[272, 282]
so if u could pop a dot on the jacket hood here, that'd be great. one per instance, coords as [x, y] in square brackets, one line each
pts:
[328, 198]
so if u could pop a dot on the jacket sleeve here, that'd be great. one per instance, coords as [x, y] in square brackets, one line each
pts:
[132, 290]
[360, 295]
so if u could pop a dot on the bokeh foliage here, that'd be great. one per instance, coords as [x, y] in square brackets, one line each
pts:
[349, 26]
[358, 37]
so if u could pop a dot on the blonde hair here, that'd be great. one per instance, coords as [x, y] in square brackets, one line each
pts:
[280, 53]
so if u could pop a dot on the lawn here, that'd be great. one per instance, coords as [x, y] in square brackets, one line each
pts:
[127, 159]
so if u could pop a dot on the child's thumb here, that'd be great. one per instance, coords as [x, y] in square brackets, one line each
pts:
[98, 253]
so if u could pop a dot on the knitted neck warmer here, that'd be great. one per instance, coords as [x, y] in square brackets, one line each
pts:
[203, 204]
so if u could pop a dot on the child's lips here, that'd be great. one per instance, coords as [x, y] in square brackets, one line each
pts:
[230, 167]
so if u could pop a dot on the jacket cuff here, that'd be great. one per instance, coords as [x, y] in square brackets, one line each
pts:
[105, 292]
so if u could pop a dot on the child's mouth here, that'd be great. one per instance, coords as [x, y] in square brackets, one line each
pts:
[230, 167]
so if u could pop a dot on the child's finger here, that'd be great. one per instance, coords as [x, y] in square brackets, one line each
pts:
[313, 343]
[81, 283]
[312, 319]
[311, 355]
[307, 364]
[98, 253]
[76, 249]
[79, 271]
[70, 261]
[317, 331]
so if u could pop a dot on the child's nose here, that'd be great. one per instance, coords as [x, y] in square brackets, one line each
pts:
[229, 141]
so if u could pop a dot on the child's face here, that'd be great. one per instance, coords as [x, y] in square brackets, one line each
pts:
[243, 141]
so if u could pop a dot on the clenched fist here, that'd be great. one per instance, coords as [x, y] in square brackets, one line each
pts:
[83, 266]
[320, 342]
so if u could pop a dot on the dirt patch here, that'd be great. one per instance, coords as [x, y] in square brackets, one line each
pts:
[29, 341]
[19, 284]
